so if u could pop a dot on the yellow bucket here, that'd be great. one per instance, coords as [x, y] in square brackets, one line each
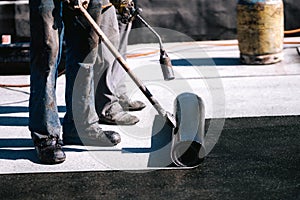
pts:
[260, 31]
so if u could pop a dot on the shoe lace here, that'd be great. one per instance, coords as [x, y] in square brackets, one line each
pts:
[124, 99]
[99, 133]
[52, 141]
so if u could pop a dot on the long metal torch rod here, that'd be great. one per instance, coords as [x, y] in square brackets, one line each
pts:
[151, 29]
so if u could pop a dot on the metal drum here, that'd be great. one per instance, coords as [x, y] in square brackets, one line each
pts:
[260, 31]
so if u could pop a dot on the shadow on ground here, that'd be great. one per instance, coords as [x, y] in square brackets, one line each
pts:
[18, 121]
[206, 62]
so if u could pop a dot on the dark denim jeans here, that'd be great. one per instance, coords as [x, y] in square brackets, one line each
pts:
[46, 23]
[46, 43]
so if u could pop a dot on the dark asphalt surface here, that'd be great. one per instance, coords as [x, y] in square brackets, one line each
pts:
[255, 158]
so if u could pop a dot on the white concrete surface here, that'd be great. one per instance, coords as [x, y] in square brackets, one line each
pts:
[208, 69]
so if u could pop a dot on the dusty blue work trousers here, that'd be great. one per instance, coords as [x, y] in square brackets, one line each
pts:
[47, 26]
[119, 84]
[114, 76]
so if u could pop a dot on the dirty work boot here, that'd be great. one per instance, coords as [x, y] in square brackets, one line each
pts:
[92, 135]
[106, 138]
[130, 105]
[115, 115]
[49, 151]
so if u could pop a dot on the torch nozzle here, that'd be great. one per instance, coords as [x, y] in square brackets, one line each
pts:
[166, 66]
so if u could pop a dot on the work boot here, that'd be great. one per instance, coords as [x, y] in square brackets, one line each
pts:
[93, 136]
[130, 105]
[50, 151]
[115, 115]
